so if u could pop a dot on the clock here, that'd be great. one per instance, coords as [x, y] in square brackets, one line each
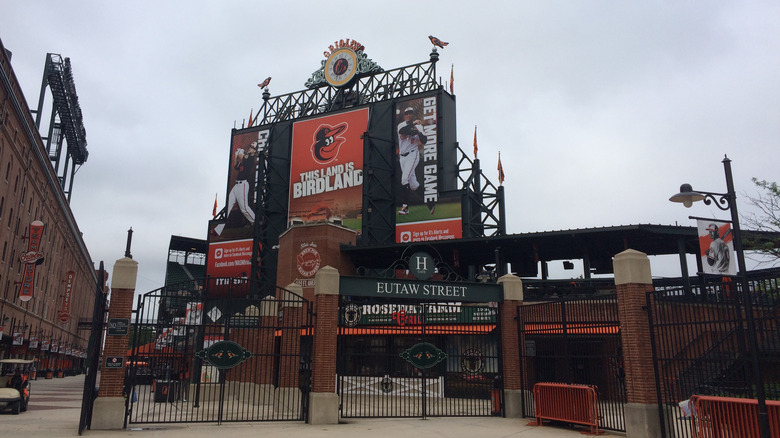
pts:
[341, 67]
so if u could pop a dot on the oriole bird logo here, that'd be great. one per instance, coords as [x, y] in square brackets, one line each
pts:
[265, 82]
[327, 142]
[437, 42]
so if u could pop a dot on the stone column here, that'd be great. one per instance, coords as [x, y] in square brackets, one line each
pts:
[109, 408]
[510, 344]
[323, 400]
[633, 281]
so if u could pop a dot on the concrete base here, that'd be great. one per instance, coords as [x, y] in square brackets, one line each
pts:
[513, 402]
[108, 413]
[642, 421]
[323, 408]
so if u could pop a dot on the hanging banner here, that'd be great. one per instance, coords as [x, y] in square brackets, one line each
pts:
[31, 258]
[716, 247]
[65, 311]
[18, 338]
[33, 342]
[326, 169]
[45, 345]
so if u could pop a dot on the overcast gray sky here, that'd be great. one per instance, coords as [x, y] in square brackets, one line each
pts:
[600, 109]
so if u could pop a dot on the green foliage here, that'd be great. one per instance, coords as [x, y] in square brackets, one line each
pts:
[765, 218]
[145, 336]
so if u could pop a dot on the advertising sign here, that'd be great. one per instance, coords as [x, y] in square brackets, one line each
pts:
[716, 247]
[230, 259]
[326, 169]
[31, 258]
[423, 214]
[66, 297]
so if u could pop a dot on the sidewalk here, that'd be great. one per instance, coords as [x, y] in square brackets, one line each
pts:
[55, 407]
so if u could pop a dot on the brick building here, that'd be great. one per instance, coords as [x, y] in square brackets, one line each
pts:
[57, 270]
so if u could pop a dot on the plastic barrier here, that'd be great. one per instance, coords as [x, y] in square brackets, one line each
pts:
[730, 417]
[570, 403]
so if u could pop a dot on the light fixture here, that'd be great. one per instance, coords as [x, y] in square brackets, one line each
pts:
[687, 196]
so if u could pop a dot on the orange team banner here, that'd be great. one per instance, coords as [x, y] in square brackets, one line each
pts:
[326, 170]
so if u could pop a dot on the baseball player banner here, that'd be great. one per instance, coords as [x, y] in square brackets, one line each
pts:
[242, 175]
[716, 247]
[326, 169]
[422, 213]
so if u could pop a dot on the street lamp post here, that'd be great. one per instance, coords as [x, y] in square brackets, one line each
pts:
[728, 201]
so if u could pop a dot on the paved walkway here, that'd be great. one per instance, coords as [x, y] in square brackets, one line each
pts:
[55, 407]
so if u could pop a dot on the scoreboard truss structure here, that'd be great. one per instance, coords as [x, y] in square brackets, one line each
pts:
[482, 203]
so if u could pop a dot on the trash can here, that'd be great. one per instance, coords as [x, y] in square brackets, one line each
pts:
[166, 391]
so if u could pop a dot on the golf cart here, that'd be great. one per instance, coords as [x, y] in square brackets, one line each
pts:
[15, 384]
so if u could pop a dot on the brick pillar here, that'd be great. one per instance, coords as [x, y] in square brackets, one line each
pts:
[633, 281]
[510, 344]
[323, 400]
[288, 394]
[109, 409]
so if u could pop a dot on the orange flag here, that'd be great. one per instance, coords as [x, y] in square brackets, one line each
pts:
[452, 79]
[475, 141]
[500, 171]
[214, 213]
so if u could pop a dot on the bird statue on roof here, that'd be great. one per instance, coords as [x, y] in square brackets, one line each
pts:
[437, 42]
[265, 82]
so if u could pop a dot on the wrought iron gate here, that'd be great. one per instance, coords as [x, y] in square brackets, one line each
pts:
[197, 358]
[575, 341]
[700, 343]
[418, 359]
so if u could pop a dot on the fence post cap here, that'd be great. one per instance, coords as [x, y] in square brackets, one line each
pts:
[512, 286]
[125, 274]
[326, 281]
[632, 267]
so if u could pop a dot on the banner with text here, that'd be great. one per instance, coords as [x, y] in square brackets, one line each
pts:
[326, 169]
[422, 213]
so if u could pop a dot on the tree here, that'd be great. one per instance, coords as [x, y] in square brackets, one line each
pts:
[765, 218]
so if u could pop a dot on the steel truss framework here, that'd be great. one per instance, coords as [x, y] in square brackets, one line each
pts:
[66, 120]
[482, 202]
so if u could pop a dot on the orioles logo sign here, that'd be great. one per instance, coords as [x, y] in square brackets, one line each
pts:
[327, 141]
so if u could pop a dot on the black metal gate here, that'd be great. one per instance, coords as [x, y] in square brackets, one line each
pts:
[575, 341]
[701, 343]
[382, 344]
[200, 358]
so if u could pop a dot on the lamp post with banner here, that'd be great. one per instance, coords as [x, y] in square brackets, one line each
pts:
[728, 201]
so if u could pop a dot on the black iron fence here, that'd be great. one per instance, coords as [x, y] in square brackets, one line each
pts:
[701, 345]
[213, 354]
[575, 341]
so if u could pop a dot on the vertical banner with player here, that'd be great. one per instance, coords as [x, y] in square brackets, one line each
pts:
[230, 240]
[326, 169]
[422, 213]
[716, 247]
